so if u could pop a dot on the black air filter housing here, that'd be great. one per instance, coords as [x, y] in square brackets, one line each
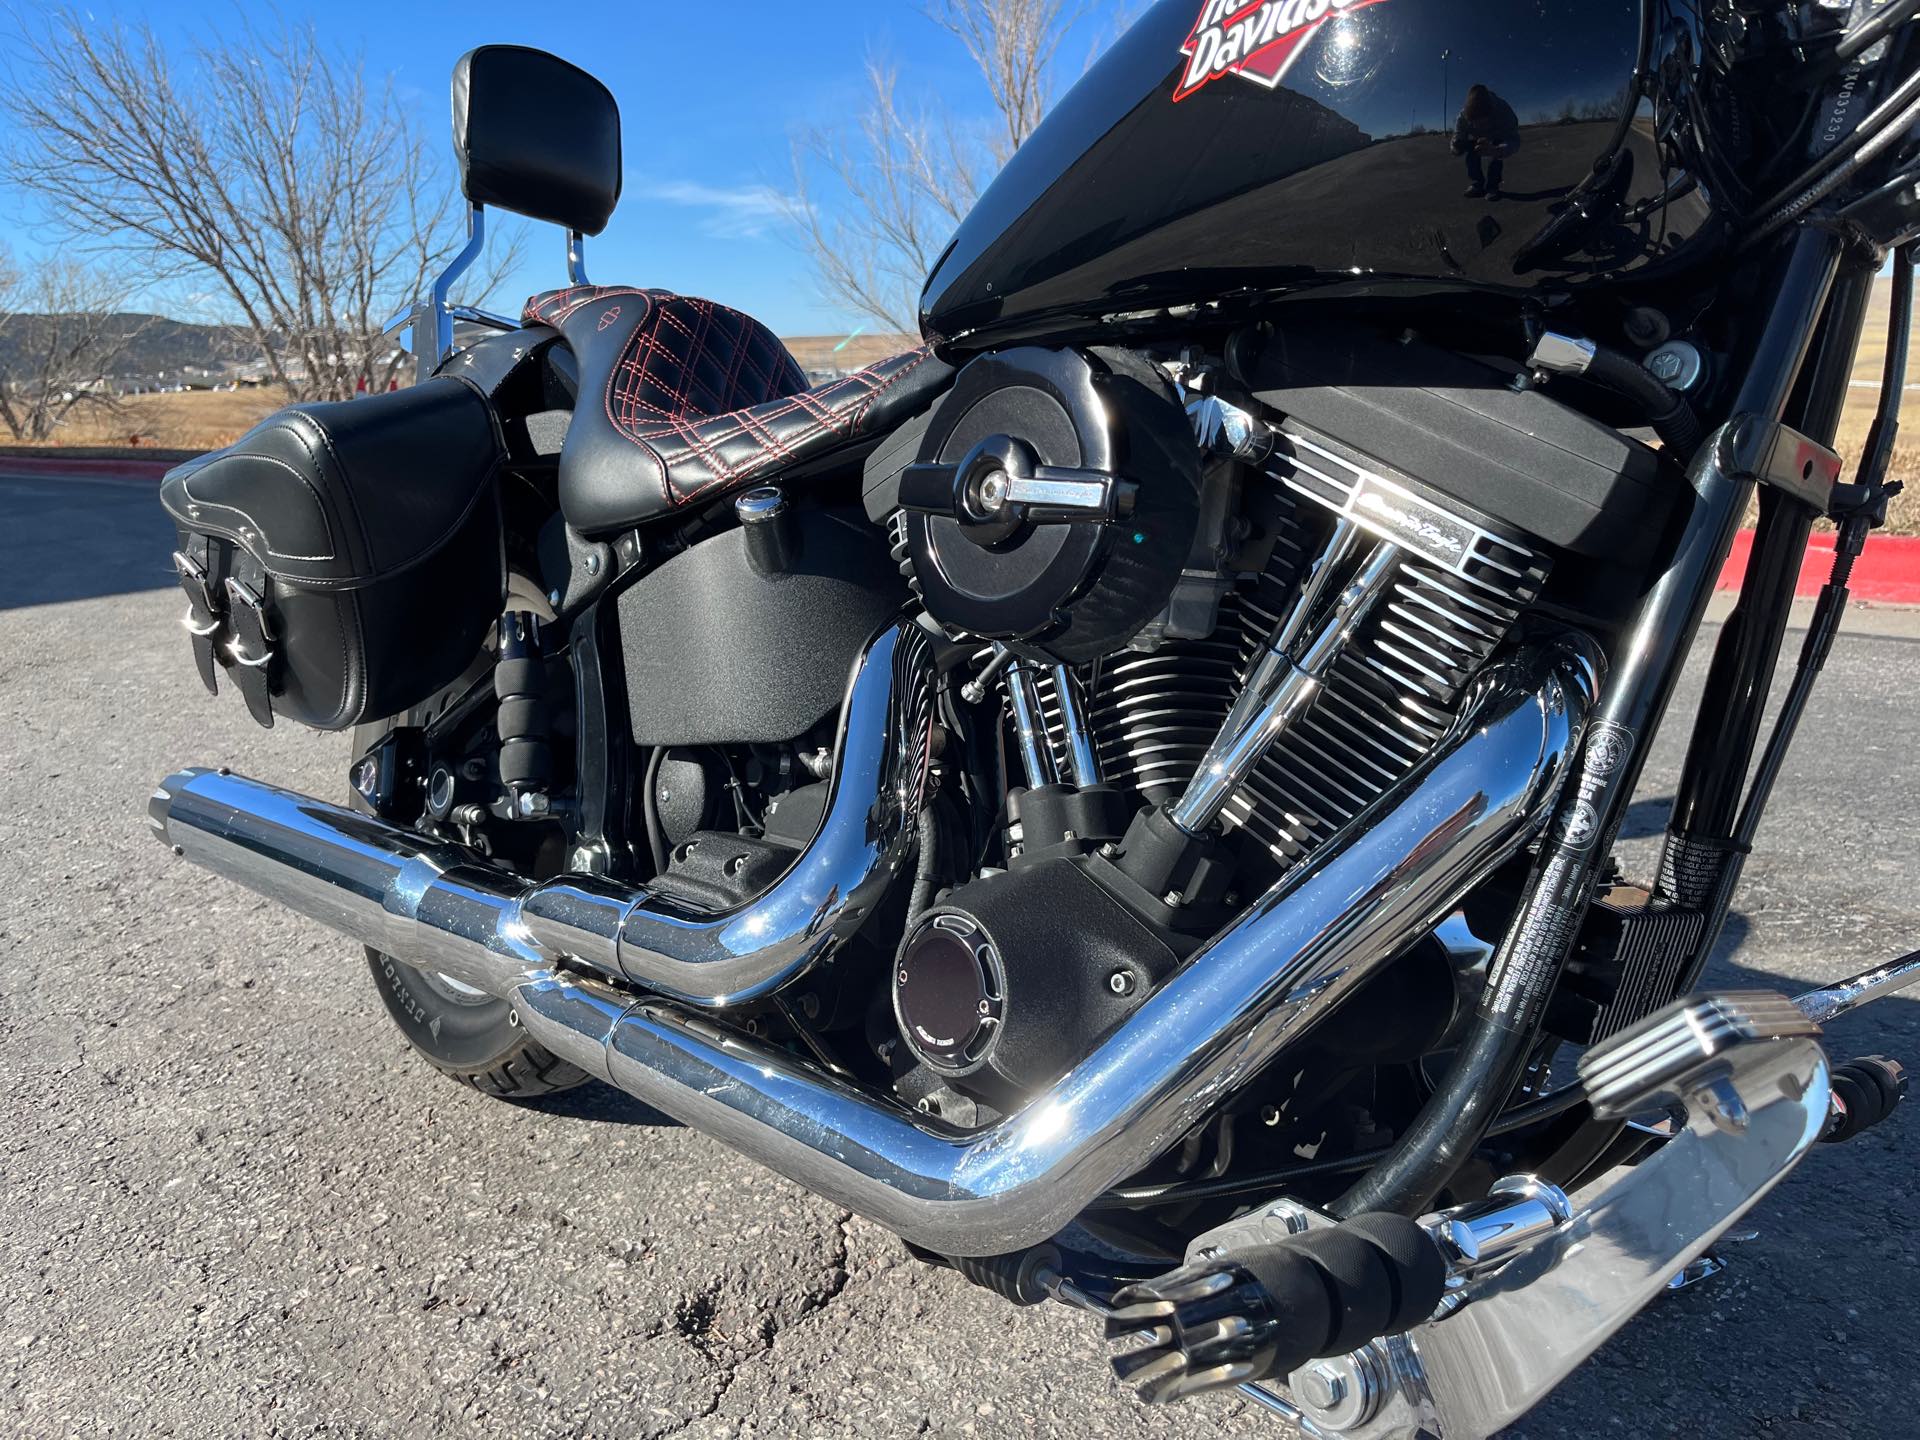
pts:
[1058, 590]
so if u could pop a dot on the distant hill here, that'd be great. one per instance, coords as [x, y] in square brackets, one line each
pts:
[165, 347]
[161, 346]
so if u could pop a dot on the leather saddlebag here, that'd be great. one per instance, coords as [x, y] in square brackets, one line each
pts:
[344, 561]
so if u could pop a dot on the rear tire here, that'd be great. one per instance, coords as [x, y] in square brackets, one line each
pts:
[469, 1036]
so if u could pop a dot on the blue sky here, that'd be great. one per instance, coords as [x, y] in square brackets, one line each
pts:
[710, 97]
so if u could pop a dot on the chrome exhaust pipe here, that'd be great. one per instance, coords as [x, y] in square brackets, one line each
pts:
[1281, 967]
[1263, 982]
[434, 905]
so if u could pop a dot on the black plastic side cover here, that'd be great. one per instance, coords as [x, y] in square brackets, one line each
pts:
[718, 654]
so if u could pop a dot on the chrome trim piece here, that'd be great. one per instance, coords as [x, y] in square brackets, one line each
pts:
[1645, 1061]
[1505, 1338]
[1832, 1001]
[1284, 965]
[1081, 758]
[1314, 465]
[433, 905]
[1565, 354]
[577, 258]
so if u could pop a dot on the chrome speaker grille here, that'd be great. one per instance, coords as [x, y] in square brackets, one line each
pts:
[1390, 697]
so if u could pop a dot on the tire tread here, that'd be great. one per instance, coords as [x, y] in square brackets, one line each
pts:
[527, 1072]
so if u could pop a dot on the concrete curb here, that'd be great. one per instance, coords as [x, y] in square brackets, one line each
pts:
[1887, 572]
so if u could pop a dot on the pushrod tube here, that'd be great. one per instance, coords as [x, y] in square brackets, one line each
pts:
[1578, 842]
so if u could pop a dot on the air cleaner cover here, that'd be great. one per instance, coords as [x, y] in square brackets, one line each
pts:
[1054, 586]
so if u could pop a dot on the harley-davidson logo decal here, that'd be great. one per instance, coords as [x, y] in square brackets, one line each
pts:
[1259, 39]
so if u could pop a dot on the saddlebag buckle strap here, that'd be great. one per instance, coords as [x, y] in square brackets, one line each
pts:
[251, 648]
[204, 614]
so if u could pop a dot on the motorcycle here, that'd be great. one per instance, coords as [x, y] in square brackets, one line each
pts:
[1123, 794]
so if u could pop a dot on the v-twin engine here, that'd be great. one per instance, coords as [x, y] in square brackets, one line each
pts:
[1256, 987]
[1385, 703]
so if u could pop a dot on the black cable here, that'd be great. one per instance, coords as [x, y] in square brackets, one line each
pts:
[1887, 122]
[650, 810]
[1667, 410]
[1875, 27]
[1181, 1192]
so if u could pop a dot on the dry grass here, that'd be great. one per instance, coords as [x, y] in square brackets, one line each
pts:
[188, 420]
[1903, 517]
[206, 420]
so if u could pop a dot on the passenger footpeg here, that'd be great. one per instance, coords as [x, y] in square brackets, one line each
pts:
[1865, 1092]
[1272, 1305]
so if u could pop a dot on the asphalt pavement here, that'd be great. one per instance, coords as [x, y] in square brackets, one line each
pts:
[232, 1202]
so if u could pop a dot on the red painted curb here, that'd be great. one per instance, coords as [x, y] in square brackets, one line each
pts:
[84, 467]
[1887, 572]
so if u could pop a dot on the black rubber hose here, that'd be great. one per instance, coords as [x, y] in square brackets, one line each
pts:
[926, 871]
[650, 810]
[1859, 153]
[1450, 1126]
[1667, 410]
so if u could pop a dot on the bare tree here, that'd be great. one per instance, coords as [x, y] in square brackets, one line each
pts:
[63, 338]
[1014, 43]
[266, 169]
[905, 176]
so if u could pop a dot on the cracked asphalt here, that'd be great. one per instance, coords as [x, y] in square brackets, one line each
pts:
[233, 1203]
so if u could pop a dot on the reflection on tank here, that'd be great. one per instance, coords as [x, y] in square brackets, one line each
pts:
[1575, 140]
[1614, 217]
[1486, 132]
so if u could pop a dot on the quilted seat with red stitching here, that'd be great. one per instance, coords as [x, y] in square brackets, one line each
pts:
[683, 401]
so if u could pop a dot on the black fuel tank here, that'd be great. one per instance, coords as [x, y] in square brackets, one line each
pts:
[1240, 149]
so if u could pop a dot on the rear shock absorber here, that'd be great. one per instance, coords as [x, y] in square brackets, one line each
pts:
[520, 685]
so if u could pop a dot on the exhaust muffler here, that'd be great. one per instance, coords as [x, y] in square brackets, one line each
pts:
[1283, 965]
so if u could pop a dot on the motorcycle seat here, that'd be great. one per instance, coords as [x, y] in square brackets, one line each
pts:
[683, 402]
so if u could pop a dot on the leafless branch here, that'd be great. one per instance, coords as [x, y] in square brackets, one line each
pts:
[904, 175]
[1014, 43]
[272, 170]
[63, 339]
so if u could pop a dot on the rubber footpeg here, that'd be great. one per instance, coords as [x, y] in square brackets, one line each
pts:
[1266, 1311]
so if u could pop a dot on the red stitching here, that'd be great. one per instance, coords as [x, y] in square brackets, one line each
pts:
[675, 416]
[892, 380]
